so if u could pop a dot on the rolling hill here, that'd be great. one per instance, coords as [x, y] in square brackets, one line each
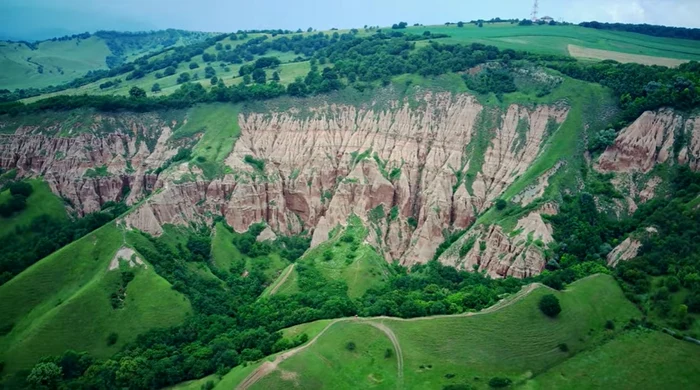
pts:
[471, 349]
[58, 61]
[358, 208]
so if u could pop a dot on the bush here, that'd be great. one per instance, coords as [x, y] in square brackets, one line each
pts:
[112, 338]
[498, 382]
[563, 347]
[257, 164]
[21, 188]
[501, 204]
[549, 304]
[610, 325]
[350, 346]
[388, 353]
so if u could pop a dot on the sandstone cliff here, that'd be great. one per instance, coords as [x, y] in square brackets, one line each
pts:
[88, 164]
[386, 166]
[401, 169]
[652, 139]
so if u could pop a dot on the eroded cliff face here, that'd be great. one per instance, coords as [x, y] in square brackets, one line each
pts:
[411, 172]
[397, 169]
[519, 253]
[653, 139]
[89, 164]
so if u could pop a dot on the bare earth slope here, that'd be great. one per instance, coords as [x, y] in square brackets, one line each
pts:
[341, 160]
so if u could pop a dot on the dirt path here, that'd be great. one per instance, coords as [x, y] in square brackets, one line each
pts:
[397, 347]
[267, 367]
[282, 280]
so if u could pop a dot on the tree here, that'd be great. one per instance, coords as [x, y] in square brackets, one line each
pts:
[460, 24]
[275, 76]
[481, 24]
[155, 88]
[246, 79]
[549, 304]
[136, 93]
[498, 382]
[501, 204]
[194, 65]
[259, 76]
[45, 376]
[214, 80]
[183, 78]
[170, 70]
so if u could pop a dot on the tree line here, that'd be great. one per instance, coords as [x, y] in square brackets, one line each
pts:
[647, 29]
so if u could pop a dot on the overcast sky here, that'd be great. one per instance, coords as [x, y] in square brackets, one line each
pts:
[18, 17]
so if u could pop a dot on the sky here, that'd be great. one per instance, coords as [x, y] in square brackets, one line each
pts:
[23, 18]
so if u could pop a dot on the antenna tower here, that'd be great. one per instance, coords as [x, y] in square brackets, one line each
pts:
[535, 8]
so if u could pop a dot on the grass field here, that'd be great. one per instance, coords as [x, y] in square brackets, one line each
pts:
[63, 302]
[62, 61]
[513, 339]
[329, 363]
[555, 39]
[641, 359]
[41, 202]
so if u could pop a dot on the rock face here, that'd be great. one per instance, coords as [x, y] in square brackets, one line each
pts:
[388, 167]
[402, 169]
[107, 161]
[519, 254]
[650, 141]
[626, 250]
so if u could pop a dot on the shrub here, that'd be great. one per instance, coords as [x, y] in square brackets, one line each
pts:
[549, 304]
[498, 382]
[112, 338]
[388, 353]
[257, 164]
[350, 346]
[501, 204]
[609, 324]
[209, 385]
[21, 188]
[563, 347]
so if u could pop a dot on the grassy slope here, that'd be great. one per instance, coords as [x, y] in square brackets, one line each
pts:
[329, 364]
[366, 270]
[517, 341]
[41, 202]
[636, 360]
[555, 39]
[63, 302]
[538, 39]
[62, 61]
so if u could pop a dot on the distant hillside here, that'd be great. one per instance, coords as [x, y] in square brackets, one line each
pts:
[59, 60]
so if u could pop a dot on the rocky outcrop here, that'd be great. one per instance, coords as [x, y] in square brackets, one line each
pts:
[107, 161]
[385, 166]
[626, 250]
[650, 141]
[400, 168]
[519, 254]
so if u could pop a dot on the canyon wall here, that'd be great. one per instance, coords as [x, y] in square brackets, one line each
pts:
[410, 171]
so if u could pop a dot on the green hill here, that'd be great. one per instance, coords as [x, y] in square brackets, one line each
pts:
[566, 40]
[641, 359]
[345, 257]
[41, 202]
[60, 60]
[512, 339]
[65, 302]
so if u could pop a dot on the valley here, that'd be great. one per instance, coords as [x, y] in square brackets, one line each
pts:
[413, 207]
